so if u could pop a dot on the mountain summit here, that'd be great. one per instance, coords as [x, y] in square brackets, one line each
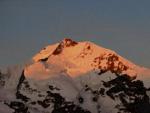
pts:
[76, 77]
[77, 58]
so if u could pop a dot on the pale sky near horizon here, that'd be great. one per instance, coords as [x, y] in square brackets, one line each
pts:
[26, 26]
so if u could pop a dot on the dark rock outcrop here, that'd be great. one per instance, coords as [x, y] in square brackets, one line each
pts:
[131, 93]
[18, 94]
[110, 60]
[65, 43]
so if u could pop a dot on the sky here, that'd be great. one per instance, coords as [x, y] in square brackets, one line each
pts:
[26, 26]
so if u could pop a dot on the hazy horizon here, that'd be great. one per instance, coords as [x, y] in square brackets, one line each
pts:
[28, 26]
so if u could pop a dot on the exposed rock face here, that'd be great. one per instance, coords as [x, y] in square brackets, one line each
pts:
[3, 78]
[18, 107]
[19, 86]
[65, 43]
[68, 42]
[131, 93]
[109, 62]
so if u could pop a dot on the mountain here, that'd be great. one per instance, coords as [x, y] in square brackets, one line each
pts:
[76, 77]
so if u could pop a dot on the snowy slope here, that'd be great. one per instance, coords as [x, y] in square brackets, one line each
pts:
[79, 58]
[76, 77]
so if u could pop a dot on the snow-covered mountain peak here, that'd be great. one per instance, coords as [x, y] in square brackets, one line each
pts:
[76, 77]
[67, 47]
[78, 58]
[54, 49]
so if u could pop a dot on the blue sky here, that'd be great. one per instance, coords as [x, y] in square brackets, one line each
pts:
[26, 26]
